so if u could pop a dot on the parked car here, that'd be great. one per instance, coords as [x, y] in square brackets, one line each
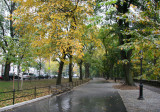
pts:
[1, 78]
[66, 77]
[75, 76]
[46, 76]
[53, 76]
[32, 75]
[11, 76]
[28, 76]
[36, 76]
[40, 76]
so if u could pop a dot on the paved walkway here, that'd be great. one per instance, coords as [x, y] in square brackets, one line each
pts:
[96, 96]
[151, 102]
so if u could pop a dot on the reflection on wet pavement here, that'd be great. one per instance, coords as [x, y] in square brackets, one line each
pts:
[96, 96]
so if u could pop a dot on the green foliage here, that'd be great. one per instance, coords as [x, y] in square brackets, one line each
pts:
[143, 18]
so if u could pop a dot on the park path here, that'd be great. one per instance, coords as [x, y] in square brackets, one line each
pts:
[95, 96]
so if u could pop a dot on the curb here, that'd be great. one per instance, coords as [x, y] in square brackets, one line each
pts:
[23, 103]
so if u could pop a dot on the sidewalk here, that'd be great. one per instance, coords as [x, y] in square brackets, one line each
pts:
[95, 96]
[151, 102]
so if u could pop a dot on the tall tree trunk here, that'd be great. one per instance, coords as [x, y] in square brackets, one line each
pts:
[70, 68]
[10, 8]
[2, 70]
[126, 55]
[40, 67]
[61, 64]
[123, 25]
[87, 74]
[6, 70]
[39, 74]
[106, 73]
[18, 74]
[39, 70]
[80, 70]
[127, 67]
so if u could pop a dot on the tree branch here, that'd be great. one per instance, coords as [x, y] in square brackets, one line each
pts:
[7, 5]
[3, 32]
[1, 45]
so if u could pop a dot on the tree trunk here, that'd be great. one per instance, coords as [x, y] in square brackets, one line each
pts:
[40, 67]
[128, 76]
[11, 8]
[60, 73]
[39, 74]
[106, 73]
[22, 81]
[127, 66]
[6, 70]
[80, 70]
[125, 55]
[87, 74]
[70, 68]
[61, 64]
[18, 75]
[2, 70]
[126, 69]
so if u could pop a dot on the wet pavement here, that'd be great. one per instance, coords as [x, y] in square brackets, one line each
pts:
[96, 96]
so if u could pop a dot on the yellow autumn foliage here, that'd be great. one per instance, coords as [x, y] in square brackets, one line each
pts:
[54, 25]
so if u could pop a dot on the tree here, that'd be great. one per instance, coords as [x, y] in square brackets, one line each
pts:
[146, 35]
[123, 24]
[56, 24]
[133, 21]
[7, 38]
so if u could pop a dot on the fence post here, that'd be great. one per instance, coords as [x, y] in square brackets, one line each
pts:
[66, 86]
[61, 87]
[56, 89]
[49, 87]
[13, 96]
[35, 92]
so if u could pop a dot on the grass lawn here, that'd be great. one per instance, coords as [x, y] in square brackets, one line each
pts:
[8, 85]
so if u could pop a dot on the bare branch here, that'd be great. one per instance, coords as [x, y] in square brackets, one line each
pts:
[3, 32]
[7, 5]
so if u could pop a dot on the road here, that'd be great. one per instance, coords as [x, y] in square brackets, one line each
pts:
[96, 96]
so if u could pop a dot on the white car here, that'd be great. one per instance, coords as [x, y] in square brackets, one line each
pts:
[27, 76]
[66, 77]
[53, 76]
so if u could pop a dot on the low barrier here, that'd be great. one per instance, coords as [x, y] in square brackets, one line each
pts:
[149, 82]
[11, 97]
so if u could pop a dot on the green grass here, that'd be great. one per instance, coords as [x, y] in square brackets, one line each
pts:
[8, 85]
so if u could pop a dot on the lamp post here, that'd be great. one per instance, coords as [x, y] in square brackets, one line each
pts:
[141, 85]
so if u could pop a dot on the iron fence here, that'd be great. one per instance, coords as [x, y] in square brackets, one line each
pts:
[33, 92]
[149, 82]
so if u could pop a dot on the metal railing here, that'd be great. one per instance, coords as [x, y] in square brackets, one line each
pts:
[34, 92]
[149, 82]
